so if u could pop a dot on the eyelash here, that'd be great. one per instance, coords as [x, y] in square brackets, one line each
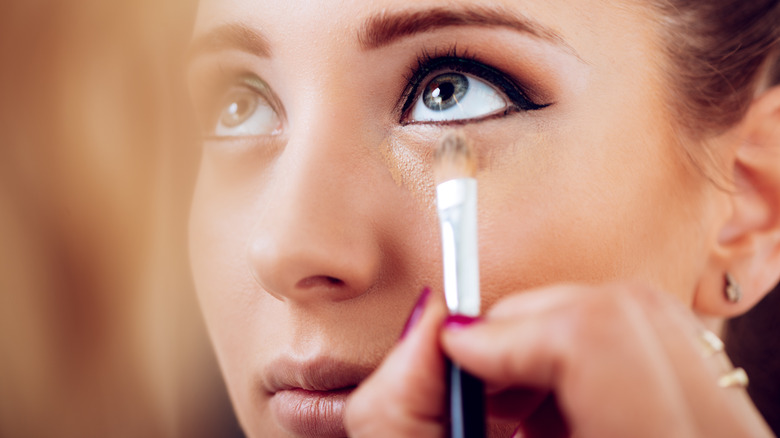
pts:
[428, 63]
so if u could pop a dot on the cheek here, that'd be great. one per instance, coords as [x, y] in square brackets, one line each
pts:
[591, 213]
[410, 166]
[219, 225]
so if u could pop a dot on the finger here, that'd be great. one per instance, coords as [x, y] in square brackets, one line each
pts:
[405, 395]
[494, 348]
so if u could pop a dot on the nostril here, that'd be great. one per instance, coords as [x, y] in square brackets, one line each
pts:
[320, 281]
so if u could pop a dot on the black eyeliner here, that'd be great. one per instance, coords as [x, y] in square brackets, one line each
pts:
[428, 64]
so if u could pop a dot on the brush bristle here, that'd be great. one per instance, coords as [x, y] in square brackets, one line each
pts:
[454, 158]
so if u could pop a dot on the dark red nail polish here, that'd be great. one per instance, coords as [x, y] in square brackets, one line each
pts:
[417, 312]
[455, 322]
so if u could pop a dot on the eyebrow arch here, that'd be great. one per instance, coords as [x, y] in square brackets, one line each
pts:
[387, 27]
[229, 36]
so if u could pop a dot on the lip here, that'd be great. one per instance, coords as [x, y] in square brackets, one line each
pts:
[308, 398]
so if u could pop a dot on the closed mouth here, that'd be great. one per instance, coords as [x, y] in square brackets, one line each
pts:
[308, 398]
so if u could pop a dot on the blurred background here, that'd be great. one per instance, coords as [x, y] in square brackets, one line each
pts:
[100, 334]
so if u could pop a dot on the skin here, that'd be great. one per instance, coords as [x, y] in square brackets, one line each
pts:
[332, 219]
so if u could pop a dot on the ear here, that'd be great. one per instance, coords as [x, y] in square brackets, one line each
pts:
[748, 245]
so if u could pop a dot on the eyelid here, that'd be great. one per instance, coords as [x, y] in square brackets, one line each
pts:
[264, 91]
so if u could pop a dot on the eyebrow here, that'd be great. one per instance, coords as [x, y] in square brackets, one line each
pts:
[384, 29]
[230, 36]
[387, 27]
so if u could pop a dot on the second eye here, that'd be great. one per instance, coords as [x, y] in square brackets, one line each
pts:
[245, 113]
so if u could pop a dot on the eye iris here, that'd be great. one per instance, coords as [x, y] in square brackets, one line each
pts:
[239, 108]
[445, 91]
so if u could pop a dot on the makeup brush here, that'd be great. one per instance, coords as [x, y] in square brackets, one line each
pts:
[456, 201]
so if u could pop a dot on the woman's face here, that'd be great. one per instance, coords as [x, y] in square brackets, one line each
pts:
[313, 227]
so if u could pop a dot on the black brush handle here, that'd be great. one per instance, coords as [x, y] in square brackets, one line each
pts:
[467, 403]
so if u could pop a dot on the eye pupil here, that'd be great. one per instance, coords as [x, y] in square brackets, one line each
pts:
[445, 91]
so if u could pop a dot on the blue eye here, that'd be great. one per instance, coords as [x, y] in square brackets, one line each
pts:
[457, 96]
[452, 89]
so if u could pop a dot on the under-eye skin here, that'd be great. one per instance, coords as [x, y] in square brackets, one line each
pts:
[454, 89]
[245, 109]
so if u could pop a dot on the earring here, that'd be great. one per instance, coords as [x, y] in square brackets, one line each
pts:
[732, 289]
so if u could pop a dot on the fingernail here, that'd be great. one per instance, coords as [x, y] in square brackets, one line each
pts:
[417, 312]
[457, 322]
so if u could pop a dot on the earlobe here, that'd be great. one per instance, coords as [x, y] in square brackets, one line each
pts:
[748, 245]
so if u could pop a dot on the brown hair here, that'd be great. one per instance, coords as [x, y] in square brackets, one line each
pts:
[720, 52]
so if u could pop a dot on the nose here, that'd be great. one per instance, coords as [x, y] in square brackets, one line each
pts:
[317, 235]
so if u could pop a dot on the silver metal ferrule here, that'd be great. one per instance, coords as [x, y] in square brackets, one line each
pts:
[456, 201]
